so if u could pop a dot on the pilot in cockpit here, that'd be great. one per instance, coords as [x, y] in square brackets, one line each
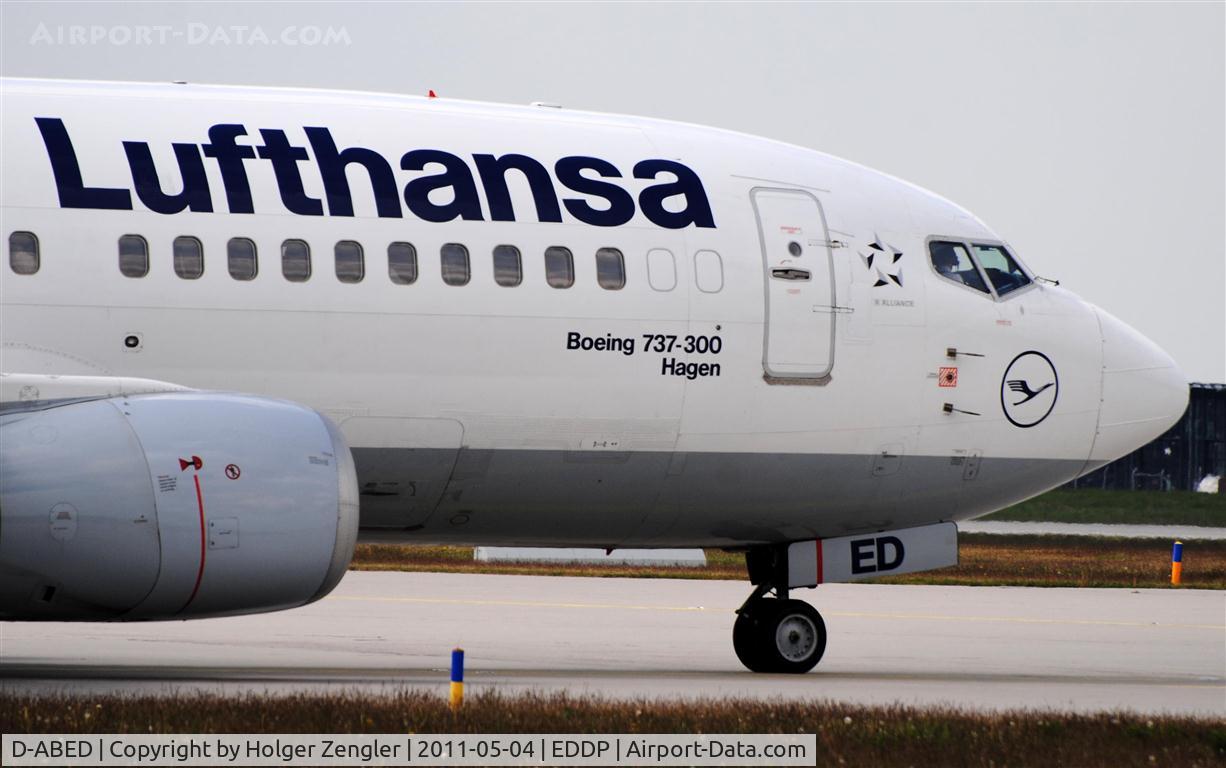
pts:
[946, 261]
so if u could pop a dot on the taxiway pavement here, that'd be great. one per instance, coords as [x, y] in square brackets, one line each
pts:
[973, 647]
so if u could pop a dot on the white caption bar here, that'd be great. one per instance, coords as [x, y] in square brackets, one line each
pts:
[237, 749]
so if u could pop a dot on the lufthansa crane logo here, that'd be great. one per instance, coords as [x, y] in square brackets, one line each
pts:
[1029, 389]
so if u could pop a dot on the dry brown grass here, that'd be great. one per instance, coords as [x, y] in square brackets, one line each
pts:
[1077, 561]
[847, 735]
[1046, 561]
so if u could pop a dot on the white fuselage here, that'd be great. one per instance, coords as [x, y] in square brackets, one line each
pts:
[826, 409]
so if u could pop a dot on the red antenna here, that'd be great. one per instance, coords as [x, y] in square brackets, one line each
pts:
[431, 94]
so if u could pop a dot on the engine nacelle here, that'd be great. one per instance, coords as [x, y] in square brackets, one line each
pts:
[171, 506]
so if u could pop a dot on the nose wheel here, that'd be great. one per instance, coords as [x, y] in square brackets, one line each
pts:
[779, 635]
[776, 634]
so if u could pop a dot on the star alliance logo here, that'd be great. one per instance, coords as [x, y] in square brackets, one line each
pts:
[881, 259]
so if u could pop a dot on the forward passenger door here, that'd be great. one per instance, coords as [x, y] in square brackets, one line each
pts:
[800, 293]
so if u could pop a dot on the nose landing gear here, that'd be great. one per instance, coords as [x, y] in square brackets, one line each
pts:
[773, 635]
[776, 634]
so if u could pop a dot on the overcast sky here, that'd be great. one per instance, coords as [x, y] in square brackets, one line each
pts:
[1091, 136]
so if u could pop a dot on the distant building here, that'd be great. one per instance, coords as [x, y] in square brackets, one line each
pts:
[1190, 450]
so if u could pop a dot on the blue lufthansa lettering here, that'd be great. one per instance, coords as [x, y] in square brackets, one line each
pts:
[464, 201]
[603, 202]
[493, 172]
[195, 194]
[332, 165]
[621, 204]
[230, 157]
[67, 172]
[697, 210]
[285, 158]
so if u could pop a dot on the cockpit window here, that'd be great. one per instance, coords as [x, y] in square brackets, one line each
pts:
[1001, 269]
[953, 262]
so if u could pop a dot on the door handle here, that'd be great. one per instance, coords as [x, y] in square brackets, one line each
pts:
[790, 274]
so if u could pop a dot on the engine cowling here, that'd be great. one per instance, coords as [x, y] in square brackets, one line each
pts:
[171, 506]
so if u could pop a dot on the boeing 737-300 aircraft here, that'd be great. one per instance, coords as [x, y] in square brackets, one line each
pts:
[463, 323]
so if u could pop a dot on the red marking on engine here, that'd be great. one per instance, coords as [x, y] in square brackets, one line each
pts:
[947, 377]
[200, 570]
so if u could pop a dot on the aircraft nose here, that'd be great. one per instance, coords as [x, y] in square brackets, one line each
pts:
[1143, 392]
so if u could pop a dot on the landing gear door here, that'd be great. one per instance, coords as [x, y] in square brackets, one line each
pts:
[800, 296]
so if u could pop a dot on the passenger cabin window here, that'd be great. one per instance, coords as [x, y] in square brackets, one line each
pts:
[709, 271]
[241, 258]
[189, 258]
[1001, 269]
[610, 269]
[296, 261]
[23, 253]
[402, 263]
[133, 256]
[953, 262]
[508, 267]
[559, 267]
[661, 270]
[350, 263]
[455, 264]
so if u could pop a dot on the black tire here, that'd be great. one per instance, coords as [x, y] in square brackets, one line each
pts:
[786, 636]
[749, 637]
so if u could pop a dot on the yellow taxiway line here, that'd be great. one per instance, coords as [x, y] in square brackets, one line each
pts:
[726, 609]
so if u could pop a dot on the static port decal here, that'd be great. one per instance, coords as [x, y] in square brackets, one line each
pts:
[63, 521]
[1029, 389]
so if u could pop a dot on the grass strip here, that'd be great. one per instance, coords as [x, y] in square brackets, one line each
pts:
[985, 560]
[847, 735]
[1093, 505]
[1076, 561]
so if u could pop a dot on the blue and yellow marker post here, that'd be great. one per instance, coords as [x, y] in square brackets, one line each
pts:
[457, 678]
[1177, 564]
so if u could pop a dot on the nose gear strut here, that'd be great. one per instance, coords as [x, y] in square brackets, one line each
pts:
[776, 634]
